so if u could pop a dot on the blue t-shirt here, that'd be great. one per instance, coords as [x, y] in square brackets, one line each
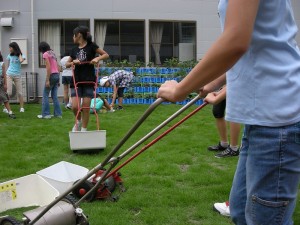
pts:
[263, 87]
[14, 68]
[98, 104]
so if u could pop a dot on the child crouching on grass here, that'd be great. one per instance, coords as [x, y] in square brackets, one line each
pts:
[3, 89]
[98, 102]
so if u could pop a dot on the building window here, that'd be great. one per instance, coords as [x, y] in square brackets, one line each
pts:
[122, 40]
[59, 35]
[172, 40]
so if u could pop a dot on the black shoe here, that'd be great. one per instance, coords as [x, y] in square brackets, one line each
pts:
[217, 147]
[120, 107]
[228, 152]
[12, 116]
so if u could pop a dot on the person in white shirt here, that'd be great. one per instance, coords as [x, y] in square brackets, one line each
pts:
[66, 79]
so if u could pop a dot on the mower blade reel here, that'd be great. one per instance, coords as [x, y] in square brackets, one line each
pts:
[9, 221]
[84, 187]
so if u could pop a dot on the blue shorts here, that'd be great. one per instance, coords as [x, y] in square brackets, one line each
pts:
[83, 92]
[66, 80]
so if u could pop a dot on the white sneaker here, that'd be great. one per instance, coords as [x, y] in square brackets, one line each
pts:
[44, 117]
[77, 126]
[22, 110]
[5, 110]
[83, 129]
[222, 208]
[68, 106]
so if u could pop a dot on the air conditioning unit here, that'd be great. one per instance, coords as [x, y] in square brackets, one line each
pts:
[186, 52]
[7, 22]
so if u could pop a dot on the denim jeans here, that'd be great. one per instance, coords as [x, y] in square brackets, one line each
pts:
[265, 185]
[54, 81]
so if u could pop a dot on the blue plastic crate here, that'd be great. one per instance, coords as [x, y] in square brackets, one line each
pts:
[148, 101]
[158, 80]
[136, 79]
[138, 89]
[152, 79]
[139, 101]
[163, 70]
[145, 79]
[139, 71]
[175, 70]
[199, 102]
[163, 79]
[132, 101]
[107, 89]
[153, 70]
[153, 89]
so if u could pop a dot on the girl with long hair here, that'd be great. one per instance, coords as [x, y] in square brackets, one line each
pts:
[83, 57]
[15, 58]
[51, 83]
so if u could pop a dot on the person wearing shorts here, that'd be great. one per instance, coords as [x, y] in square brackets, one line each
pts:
[15, 58]
[66, 79]
[258, 52]
[225, 149]
[3, 88]
[82, 59]
[119, 80]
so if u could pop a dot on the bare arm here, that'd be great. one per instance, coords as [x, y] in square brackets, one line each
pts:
[8, 63]
[225, 52]
[69, 63]
[21, 58]
[213, 86]
[114, 95]
[4, 78]
[102, 55]
[48, 70]
[216, 97]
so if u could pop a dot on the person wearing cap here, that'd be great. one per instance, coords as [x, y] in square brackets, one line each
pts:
[119, 80]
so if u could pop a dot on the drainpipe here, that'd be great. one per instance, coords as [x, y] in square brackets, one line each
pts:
[0, 38]
[32, 39]
[147, 59]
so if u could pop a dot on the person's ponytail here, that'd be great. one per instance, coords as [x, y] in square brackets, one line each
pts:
[89, 38]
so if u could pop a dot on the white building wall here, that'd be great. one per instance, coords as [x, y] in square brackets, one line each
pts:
[204, 12]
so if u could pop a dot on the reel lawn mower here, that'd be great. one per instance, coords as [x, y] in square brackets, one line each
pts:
[100, 182]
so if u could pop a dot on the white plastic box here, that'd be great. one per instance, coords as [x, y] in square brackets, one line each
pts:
[31, 190]
[88, 140]
[62, 175]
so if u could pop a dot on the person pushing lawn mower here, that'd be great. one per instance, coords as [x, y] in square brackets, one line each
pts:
[258, 52]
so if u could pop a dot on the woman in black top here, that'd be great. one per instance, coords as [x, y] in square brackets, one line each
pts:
[83, 57]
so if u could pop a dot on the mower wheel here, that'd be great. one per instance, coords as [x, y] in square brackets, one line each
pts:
[10, 221]
[110, 183]
[83, 189]
[82, 221]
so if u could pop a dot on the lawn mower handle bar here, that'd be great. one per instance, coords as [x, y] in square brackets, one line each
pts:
[157, 139]
[115, 160]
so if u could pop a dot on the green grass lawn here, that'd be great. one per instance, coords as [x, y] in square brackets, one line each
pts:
[174, 182]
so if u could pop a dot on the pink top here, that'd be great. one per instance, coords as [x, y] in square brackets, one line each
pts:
[50, 55]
